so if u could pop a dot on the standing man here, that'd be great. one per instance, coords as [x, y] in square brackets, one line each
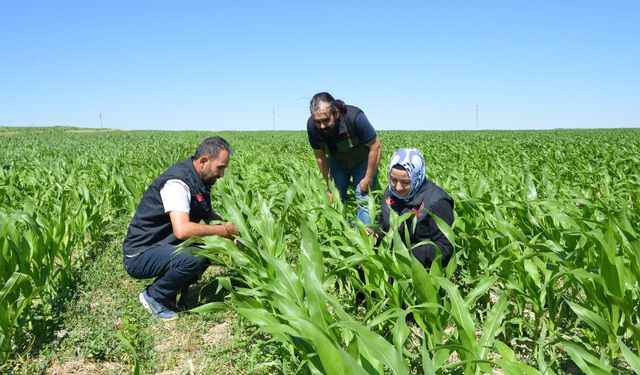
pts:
[346, 148]
[171, 211]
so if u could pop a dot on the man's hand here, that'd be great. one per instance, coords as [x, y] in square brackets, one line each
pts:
[364, 185]
[230, 229]
[330, 196]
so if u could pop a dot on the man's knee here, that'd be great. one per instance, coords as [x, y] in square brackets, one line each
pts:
[202, 263]
[190, 263]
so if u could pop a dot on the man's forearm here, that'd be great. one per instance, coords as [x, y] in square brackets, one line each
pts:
[323, 165]
[373, 160]
[190, 230]
[324, 169]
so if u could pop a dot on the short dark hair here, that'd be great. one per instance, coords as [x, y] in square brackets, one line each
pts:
[212, 147]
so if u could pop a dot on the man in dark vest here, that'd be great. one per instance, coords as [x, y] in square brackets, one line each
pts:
[346, 147]
[172, 210]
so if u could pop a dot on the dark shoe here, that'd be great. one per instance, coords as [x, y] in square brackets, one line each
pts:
[156, 309]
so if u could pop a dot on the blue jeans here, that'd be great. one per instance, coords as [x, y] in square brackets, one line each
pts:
[342, 177]
[173, 272]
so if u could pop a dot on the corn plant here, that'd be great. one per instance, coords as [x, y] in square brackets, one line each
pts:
[545, 273]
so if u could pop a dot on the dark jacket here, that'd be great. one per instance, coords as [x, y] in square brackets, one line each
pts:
[151, 226]
[430, 197]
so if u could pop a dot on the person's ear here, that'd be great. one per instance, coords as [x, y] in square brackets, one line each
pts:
[203, 160]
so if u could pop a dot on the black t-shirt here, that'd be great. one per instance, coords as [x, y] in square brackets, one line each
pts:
[364, 131]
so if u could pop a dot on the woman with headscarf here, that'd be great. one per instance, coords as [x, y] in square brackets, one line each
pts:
[410, 191]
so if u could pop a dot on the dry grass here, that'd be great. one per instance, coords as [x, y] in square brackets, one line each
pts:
[77, 367]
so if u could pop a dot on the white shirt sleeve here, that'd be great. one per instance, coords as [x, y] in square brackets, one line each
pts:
[176, 196]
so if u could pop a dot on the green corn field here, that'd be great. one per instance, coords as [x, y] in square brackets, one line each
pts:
[545, 278]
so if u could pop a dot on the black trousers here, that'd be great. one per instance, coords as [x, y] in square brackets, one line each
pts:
[173, 271]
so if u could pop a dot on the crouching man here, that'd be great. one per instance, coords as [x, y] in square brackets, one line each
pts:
[171, 211]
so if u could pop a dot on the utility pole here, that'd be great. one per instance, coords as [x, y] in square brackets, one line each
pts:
[100, 120]
[274, 117]
[476, 117]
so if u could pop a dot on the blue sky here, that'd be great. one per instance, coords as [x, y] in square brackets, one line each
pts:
[415, 65]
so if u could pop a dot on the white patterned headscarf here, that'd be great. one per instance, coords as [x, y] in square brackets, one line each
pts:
[412, 161]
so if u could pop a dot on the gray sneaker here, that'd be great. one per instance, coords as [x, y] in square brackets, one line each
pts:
[156, 309]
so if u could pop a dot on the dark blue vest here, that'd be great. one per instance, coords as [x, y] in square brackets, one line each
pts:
[151, 226]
